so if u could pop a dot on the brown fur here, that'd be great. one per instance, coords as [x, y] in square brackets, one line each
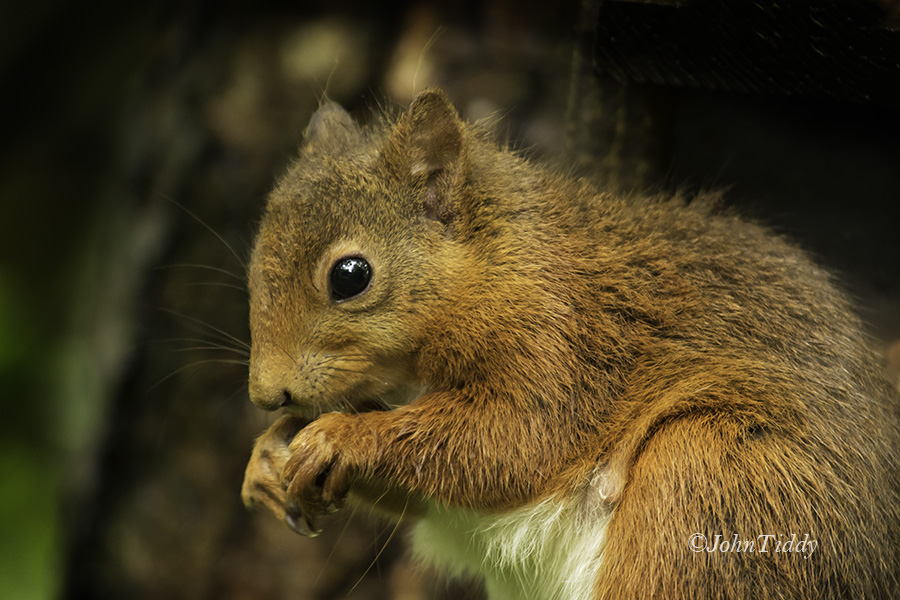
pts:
[528, 332]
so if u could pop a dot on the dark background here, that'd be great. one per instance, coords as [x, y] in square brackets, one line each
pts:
[139, 144]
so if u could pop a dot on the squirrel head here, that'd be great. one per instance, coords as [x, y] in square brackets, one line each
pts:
[355, 251]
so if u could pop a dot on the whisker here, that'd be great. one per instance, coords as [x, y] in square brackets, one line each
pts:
[240, 390]
[212, 231]
[341, 377]
[337, 543]
[383, 547]
[197, 363]
[217, 348]
[231, 286]
[200, 266]
[359, 355]
[340, 370]
[286, 353]
[344, 357]
[210, 341]
[346, 406]
[221, 332]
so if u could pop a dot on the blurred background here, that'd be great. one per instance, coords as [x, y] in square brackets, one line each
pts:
[139, 142]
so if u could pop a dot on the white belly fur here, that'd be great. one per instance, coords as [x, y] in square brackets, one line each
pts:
[551, 550]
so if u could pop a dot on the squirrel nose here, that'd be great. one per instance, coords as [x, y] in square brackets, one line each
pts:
[266, 395]
[270, 377]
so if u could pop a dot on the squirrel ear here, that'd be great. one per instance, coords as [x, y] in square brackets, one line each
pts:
[428, 140]
[331, 128]
[435, 139]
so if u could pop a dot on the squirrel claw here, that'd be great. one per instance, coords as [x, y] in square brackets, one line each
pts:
[317, 477]
[303, 526]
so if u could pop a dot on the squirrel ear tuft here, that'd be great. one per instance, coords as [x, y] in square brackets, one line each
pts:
[331, 128]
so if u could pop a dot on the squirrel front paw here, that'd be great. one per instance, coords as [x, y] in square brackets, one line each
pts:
[320, 470]
[262, 478]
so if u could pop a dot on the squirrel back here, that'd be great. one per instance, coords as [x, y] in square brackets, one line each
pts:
[500, 341]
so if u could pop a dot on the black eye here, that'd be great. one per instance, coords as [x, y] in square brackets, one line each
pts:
[349, 277]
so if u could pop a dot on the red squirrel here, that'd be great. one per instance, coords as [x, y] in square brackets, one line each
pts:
[575, 395]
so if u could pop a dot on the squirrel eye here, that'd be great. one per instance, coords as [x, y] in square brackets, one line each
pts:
[349, 277]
